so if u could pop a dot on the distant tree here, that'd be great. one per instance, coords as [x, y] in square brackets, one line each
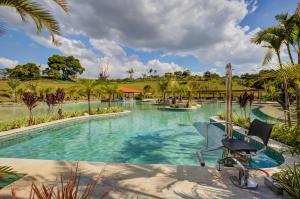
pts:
[61, 67]
[148, 89]
[13, 84]
[60, 96]
[210, 75]
[186, 73]
[27, 71]
[103, 75]
[130, 72]
[178, 73]
[30, 99]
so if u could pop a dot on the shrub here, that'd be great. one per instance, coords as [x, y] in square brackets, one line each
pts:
[289, 179]
[237, 120]
[286, 134]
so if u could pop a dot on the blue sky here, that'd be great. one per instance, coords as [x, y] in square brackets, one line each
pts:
[161, 43]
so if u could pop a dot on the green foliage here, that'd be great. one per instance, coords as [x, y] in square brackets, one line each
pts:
[210, 75]
[285, 134]
[40, 16]
[63, 67]
[7, 170]
[289, 179]
[27, 71]
[5, 126]
[237, 120]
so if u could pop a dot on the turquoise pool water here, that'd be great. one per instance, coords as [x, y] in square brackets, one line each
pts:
[146, 135]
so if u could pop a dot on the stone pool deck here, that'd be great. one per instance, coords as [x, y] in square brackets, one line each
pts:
[137, 181]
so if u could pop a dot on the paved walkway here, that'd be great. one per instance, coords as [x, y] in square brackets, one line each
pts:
[137, 181]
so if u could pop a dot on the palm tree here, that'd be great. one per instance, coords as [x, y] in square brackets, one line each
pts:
[130, 72]
[287, 26]
[273, 38]
[40, 16]
[163, 88]
[88, 88]
[13, 84]
[110, 89]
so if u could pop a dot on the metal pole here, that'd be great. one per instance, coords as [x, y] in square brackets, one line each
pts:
[228, 101]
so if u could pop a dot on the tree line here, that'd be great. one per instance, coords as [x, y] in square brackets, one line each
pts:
[59, 68]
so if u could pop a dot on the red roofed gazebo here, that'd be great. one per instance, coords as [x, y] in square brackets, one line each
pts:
[129, 90]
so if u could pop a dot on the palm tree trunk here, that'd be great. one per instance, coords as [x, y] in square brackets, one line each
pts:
[298, 97]
[89, 103]
[289, 52]
[109, 100]
[286, 96]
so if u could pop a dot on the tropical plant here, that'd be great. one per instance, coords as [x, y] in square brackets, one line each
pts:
[289, 179]
[163, 88]
[71, 189]
[60, 96]
[111, 90]
[13, 84]
[130, 72]
[272, 38]
[41, 17]
[50, 100]
[30, 99]
[88, 88]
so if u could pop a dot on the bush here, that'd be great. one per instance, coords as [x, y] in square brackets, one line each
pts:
[237, 120]
[289, 179]
[285, 134]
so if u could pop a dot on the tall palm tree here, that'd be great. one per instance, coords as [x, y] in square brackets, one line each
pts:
[163, 88]
[272, 38]
[88, 87]
[287, 26]
[110, 89]
[40, 16]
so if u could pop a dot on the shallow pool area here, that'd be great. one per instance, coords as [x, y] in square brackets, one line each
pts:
[147, 135]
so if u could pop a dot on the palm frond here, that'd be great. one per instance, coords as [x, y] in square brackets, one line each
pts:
[268, 57]
[6, 170]
[63, 4]
[41, 16]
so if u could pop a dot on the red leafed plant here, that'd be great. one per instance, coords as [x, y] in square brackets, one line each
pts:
[60, 96]
[71, 189]
[50, 100]
[30, 99]
[243, 101]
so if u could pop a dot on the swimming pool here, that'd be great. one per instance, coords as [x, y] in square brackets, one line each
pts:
[146, 135]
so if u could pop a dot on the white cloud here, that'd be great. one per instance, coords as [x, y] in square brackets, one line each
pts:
[7, 63]
[112, 54]
[208, 30]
